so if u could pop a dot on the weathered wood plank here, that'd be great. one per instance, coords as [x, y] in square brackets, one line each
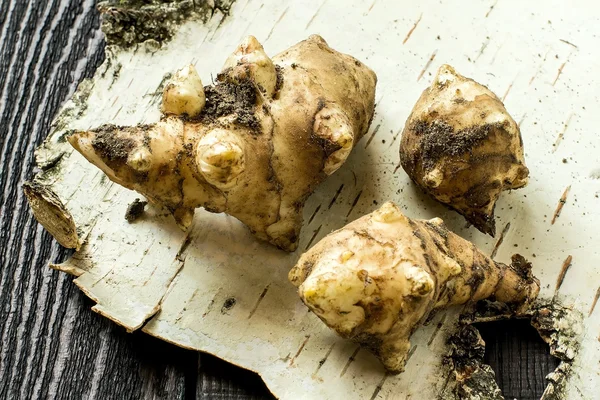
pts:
[218, 379]
[519, 357]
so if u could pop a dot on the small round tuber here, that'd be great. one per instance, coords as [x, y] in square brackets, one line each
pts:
[462, 147]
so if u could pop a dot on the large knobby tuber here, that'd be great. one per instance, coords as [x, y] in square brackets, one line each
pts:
[380, 277]
[254, 145]
[462, 147]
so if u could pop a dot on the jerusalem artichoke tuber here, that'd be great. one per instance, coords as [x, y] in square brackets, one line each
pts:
[461, 146]
[378, 278]
[254, 145]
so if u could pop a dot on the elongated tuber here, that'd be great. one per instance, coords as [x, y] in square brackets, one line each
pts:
[378, 278]
[462, 147]
[255, 145]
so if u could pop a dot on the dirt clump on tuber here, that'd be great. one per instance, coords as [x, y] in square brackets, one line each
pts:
[378, 278]
[463, 148]
[254, 145]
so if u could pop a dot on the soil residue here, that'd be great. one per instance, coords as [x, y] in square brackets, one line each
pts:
[112, 148]
[279, 83]
[440, 140]
[135, 210]
[227, 98]
[129, 22]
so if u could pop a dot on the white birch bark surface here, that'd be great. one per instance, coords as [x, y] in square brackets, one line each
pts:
[219, 290]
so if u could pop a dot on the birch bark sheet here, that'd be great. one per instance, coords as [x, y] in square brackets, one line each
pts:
[217, 289]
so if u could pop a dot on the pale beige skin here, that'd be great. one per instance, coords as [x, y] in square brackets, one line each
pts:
[462, 147]
[378, 278]
[308, 122]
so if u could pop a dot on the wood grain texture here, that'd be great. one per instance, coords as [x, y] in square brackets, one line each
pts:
[52, 345]
[519, 358]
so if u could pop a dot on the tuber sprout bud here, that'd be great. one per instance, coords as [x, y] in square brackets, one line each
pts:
[388, 213]
[184, 93]
[140, 160]
[333, 126]
[250, 61]
[220, 158]
[420, 280]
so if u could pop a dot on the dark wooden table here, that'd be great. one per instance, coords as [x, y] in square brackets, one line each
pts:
[52, 345]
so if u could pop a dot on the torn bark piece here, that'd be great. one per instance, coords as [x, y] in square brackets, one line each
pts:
[376, 280]
[255, 145]
[462, 147]
[49, 211]
[135, 210]
[558, 325]
[127, 268]
[129, 22]
[469, 378]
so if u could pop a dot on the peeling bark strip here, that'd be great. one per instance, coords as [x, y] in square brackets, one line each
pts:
[315, 15]
[299, 350]
[260, 299]
[431, 58]
[482, 49]
[373, 135]
[314, 214]
[500, 240]
[323, 360]
[569, 43]
[436, 331]
[313, 237]
[563, 271]
[350, 360]
[335, 196]
[561, 135]
[521, 120]
[49, 211]
[508, 90]
[411, 352]
[354, 203]
[596, 297]
[276, 23]
[410, 32]
[487, 14]
[127, 23]
[380, 385]
[560, 70]
[561, 203]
